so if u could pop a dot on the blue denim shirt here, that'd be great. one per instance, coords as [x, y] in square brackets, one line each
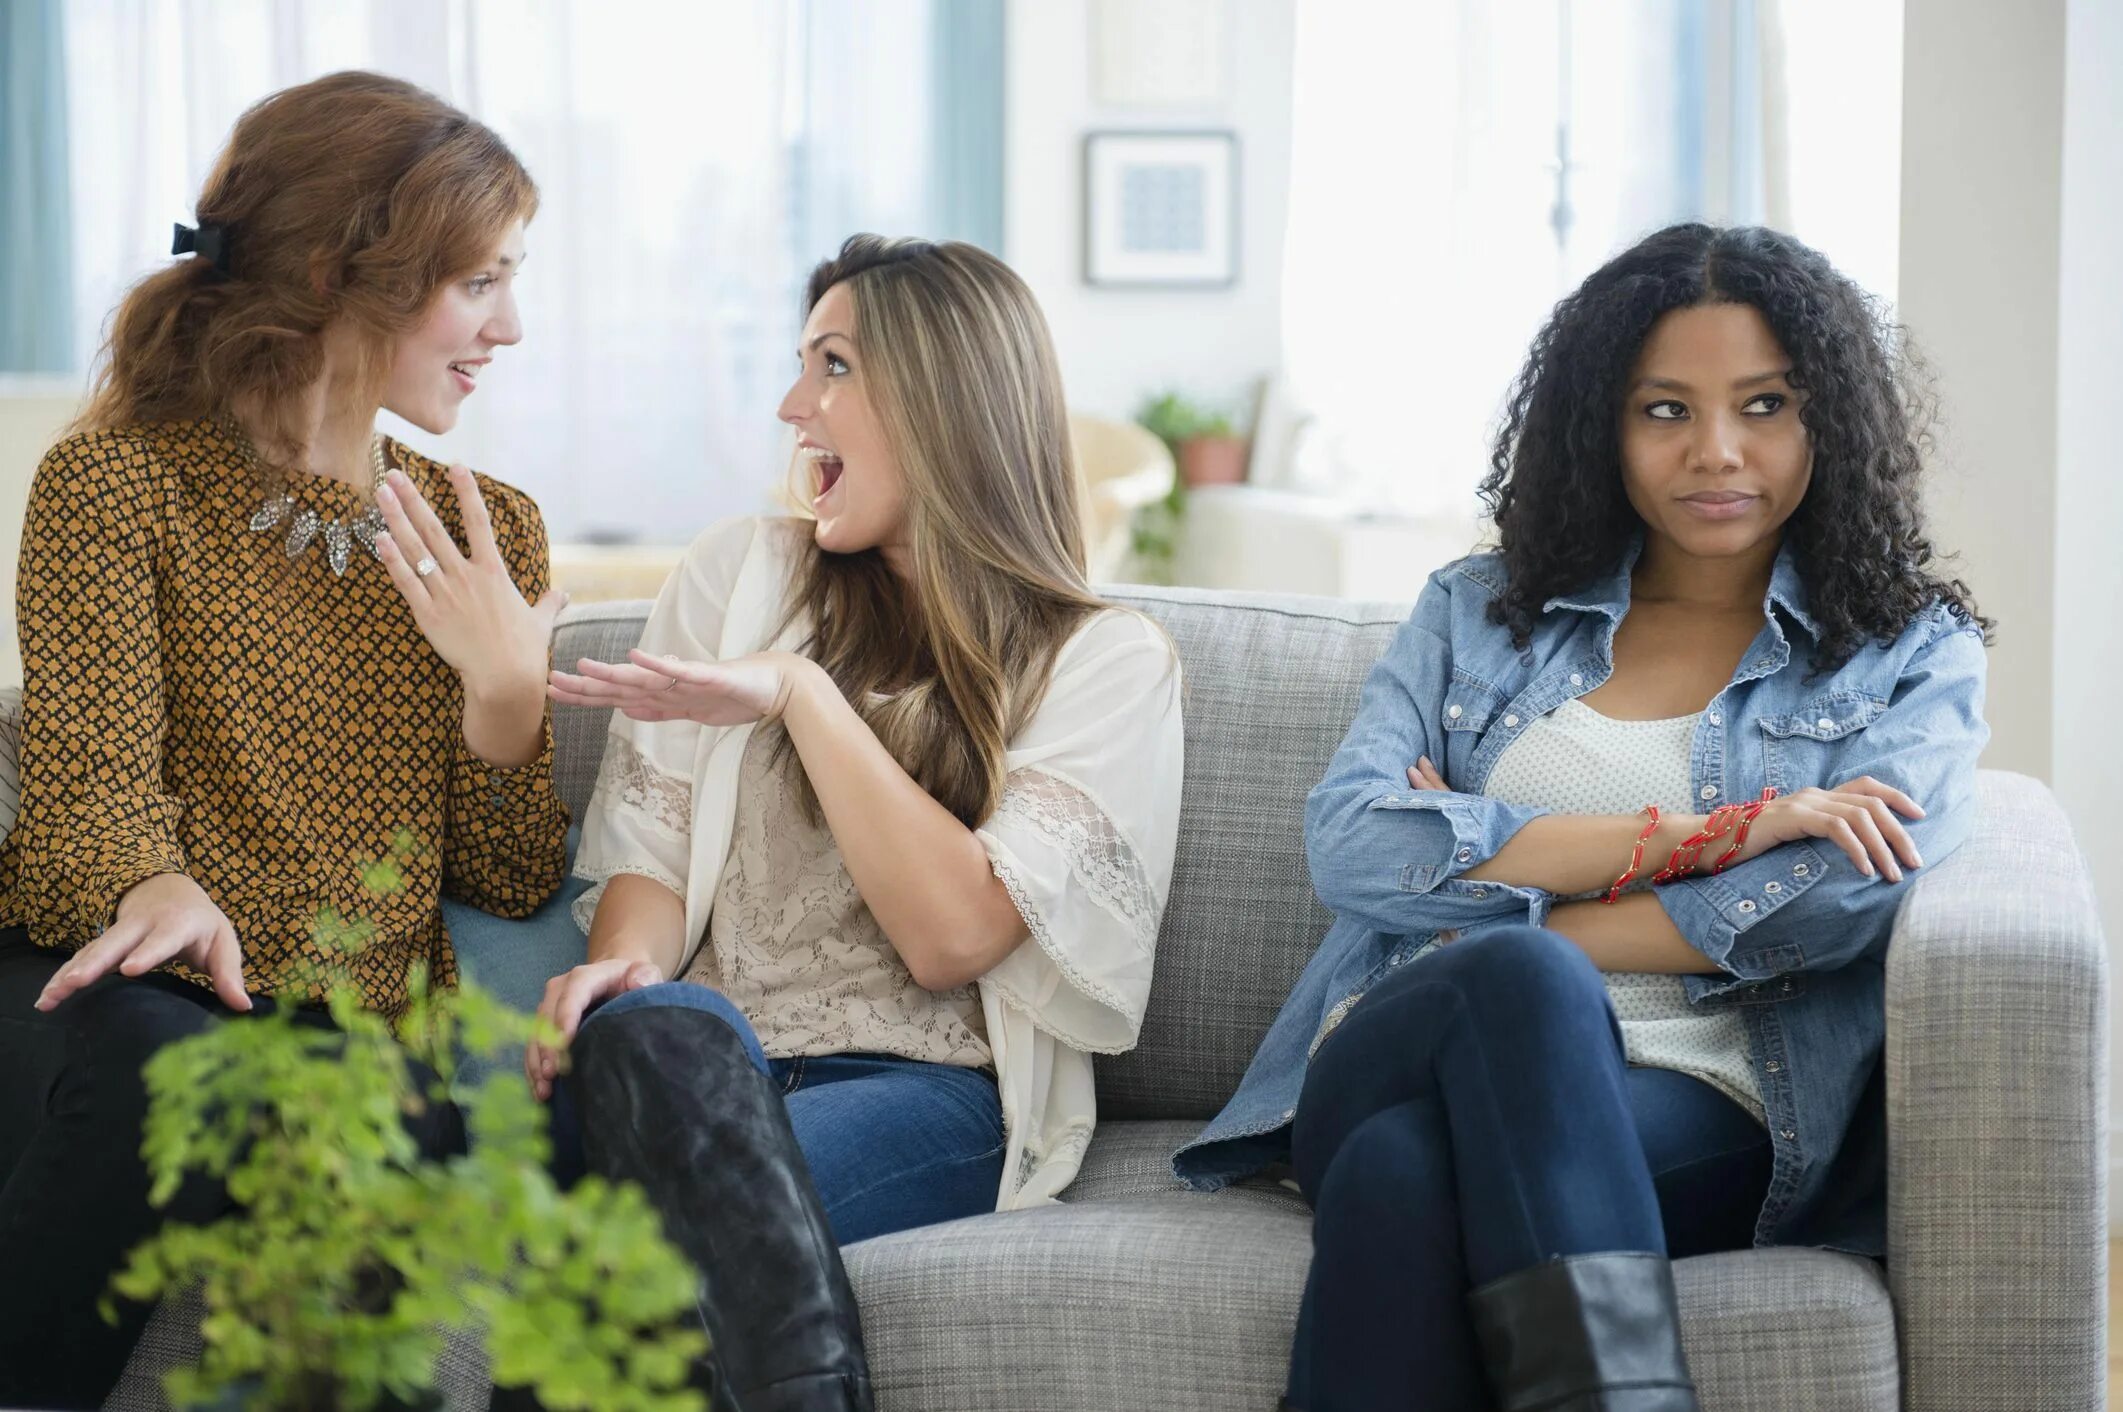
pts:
[1798, 935]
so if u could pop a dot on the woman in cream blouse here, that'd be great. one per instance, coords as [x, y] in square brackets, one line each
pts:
[883, 831]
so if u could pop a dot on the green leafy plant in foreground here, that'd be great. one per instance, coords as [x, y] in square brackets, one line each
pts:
[351, 1256]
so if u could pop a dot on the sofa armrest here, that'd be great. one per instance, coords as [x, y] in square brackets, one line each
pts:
[1997, 1102]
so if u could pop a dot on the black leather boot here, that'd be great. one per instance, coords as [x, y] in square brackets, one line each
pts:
[670, 1100]
[1586, 1333]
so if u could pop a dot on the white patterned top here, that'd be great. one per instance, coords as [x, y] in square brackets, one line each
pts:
[792, 943]
[1083, 838]
[1576, 761]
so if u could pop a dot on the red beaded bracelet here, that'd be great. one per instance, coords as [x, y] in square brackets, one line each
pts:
[1751, 813]
[1685, 858]
[1636, 859]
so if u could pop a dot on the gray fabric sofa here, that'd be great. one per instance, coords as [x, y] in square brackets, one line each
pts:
[1138, 1294]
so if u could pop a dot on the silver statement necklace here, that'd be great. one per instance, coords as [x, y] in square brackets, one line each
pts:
[305, 526]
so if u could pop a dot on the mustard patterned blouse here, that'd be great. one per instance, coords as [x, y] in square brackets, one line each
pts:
[194, 701]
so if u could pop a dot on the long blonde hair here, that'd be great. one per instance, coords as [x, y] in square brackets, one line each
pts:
[950, 663]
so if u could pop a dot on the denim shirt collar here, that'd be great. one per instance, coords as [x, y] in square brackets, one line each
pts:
[1609, 596]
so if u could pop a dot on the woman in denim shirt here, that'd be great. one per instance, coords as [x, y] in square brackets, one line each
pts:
[1714, 581]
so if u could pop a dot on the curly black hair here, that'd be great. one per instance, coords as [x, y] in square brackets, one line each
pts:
[1554, 488]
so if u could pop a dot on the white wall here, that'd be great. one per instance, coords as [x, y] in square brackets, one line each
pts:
[1982, 134]
[1117, 346]
[2012, 192]
[2088, 566]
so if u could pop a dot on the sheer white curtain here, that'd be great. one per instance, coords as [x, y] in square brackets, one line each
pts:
[1459, 165]
[660, 293]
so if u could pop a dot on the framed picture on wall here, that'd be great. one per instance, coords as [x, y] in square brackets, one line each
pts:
[1161, 209]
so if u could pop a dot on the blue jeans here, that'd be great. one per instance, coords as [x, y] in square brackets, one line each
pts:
[891, 1143]
[1474, 1116]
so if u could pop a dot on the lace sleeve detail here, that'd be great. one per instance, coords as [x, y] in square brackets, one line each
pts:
[627, 781]
[584, 908]
[1101, 858]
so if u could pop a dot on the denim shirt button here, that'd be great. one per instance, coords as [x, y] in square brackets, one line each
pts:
[1825, 724]
[1747, 904]
[1577, 678]
[1800, 870]
[1453, 711]
[1289, 1113]
[1466, 855]
[1773, 887]
[1788, 1135]
[1774, 1067]
[1717, 718]
[1710, 791]
[1480, 893]
[1511, 721]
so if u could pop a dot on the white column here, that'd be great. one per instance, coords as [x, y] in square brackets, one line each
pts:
[1982, 137]
[2087, 636]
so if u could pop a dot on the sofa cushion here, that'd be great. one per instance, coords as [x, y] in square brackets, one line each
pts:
[1188, 1302]
[1271, 686]
[1173, 1302]
[1770, 1330]
[1134, 1158]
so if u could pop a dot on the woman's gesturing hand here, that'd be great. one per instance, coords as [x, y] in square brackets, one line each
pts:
[466, 605]
[568, 997]
[165, 918]
[650, 688]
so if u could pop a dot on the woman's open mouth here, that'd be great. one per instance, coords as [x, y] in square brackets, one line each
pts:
[828, 465]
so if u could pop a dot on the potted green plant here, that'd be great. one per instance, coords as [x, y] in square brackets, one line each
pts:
[1203, 443]
[350, 1258]
[1205, 450]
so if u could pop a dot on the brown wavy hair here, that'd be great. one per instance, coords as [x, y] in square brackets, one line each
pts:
[354, 197]
[947, 665]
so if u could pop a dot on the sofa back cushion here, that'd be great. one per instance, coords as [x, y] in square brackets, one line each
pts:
[1271, 684]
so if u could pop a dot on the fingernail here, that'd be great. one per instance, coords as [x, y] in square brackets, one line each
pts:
[386, 495]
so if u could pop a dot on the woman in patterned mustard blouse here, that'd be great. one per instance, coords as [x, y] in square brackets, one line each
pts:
[261, 644]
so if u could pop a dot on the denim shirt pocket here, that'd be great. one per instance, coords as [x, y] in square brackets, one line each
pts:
[1801, 749]
[1470, 704]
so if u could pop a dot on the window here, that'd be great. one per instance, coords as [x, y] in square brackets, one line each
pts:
[694, 161]
[1457, 166]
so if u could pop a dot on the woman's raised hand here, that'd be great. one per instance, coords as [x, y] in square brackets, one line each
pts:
[650, 688]
[466, 605]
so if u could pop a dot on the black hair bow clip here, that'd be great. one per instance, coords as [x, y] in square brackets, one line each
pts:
[209, 242]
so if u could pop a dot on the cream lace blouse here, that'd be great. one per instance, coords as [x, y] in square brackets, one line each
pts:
[1083, 838]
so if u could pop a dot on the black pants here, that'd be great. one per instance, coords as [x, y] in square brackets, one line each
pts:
[73, 1197]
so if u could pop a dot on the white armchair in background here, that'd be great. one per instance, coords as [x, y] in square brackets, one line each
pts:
[1124, 468]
